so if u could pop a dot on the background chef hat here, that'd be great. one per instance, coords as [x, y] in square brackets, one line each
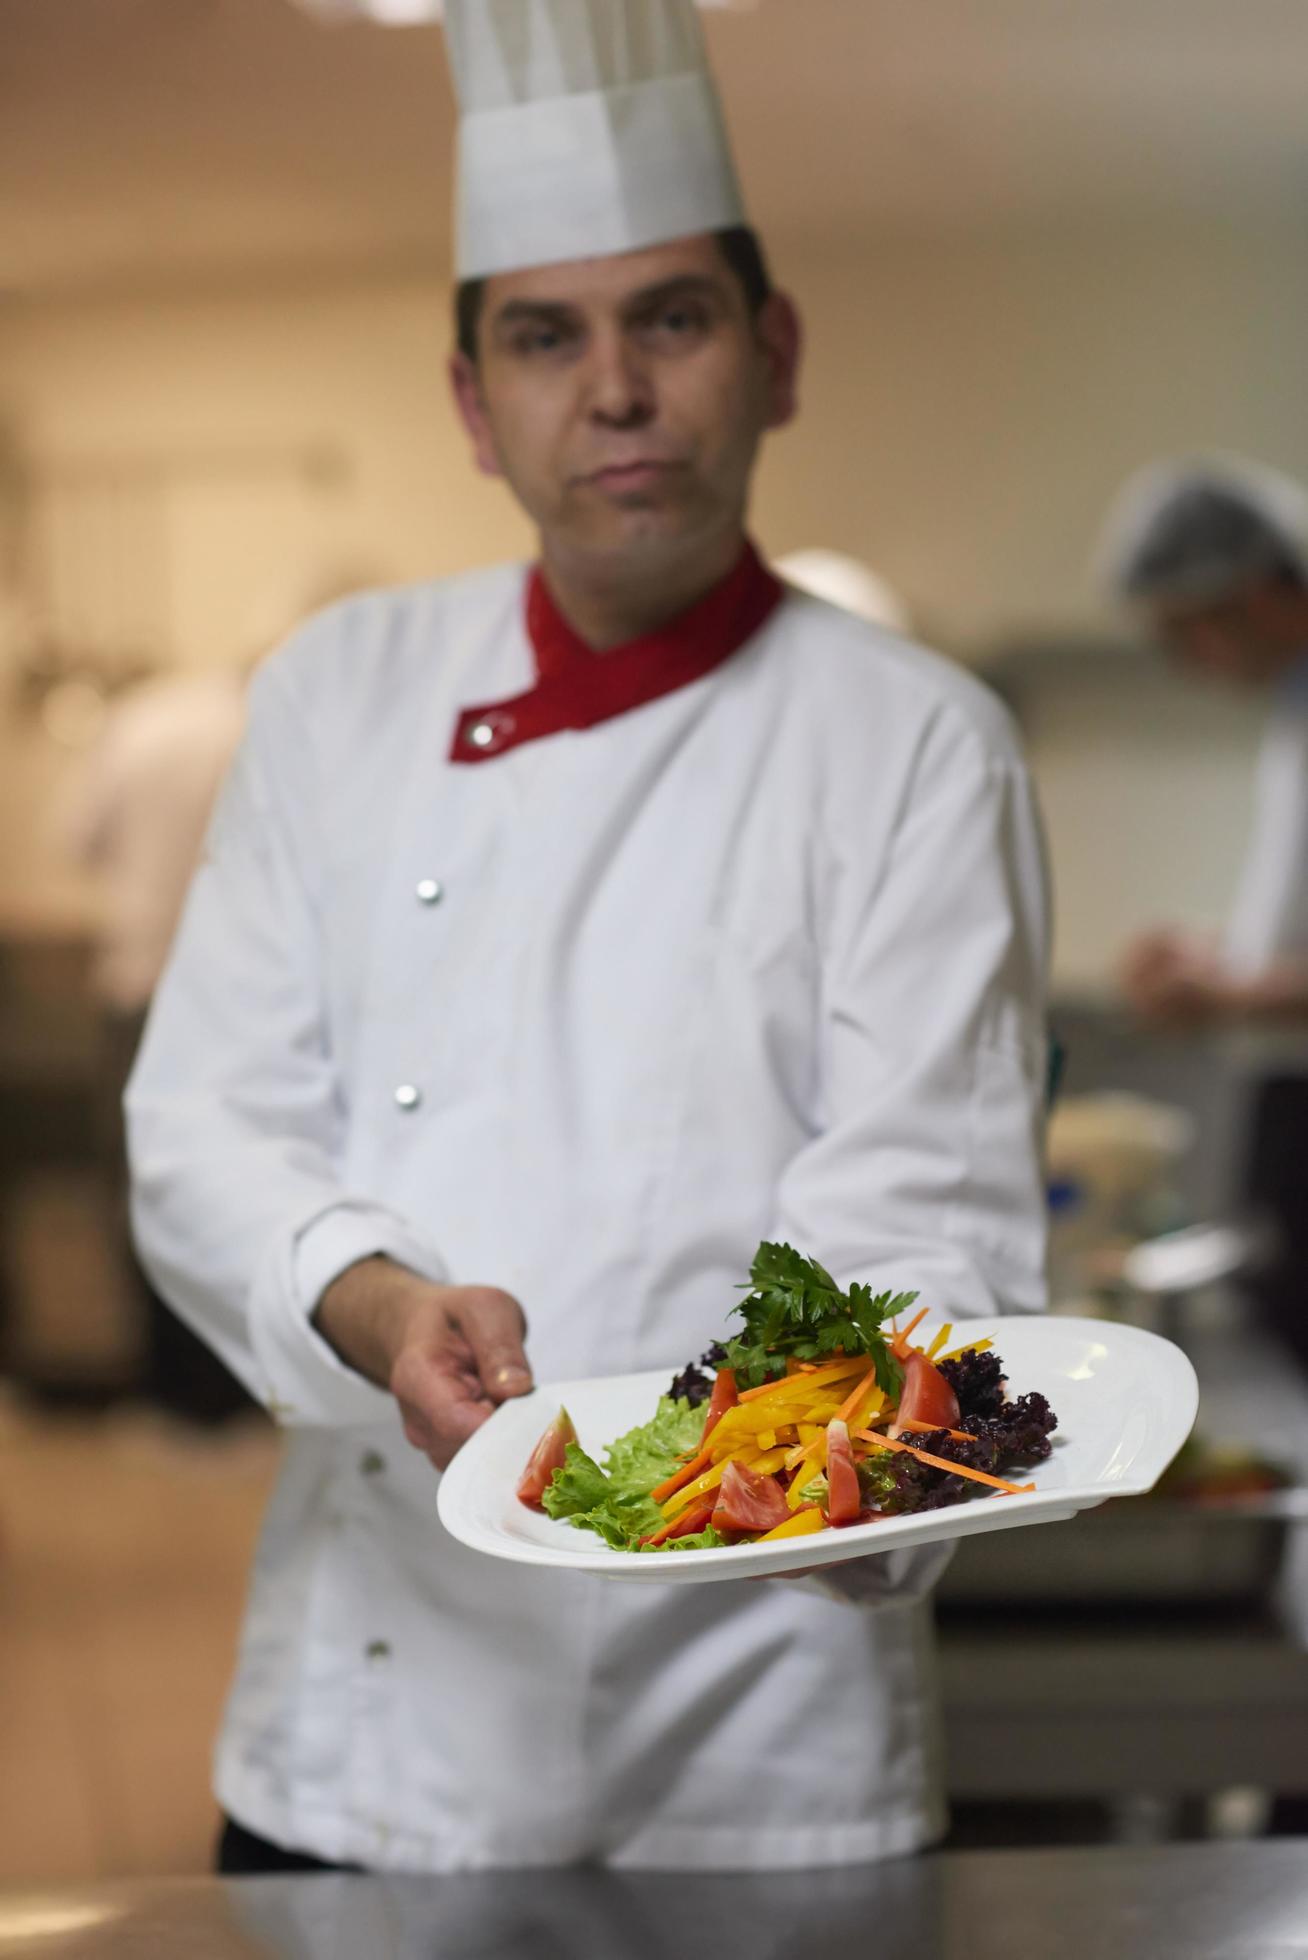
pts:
[587, 127]
[848, 583]
[1193, 531]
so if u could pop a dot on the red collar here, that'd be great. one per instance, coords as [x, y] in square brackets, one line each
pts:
[577, 687]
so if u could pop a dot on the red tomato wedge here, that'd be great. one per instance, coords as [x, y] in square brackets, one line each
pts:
[724, 1397]
[545, 1459]
[844, 1500]
[749, 1501]
[927, 1395]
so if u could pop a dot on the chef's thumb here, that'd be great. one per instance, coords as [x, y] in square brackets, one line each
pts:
[495, 1328]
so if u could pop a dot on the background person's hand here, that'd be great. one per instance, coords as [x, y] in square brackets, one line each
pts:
[1173, 979]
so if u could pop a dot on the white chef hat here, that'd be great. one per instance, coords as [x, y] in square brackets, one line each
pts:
[1192, 531]
[588, 127]
[848, 583]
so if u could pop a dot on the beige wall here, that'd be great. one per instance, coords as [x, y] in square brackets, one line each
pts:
[970, 403]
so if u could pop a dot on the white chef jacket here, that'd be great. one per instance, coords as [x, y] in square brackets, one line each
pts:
[1270, 919]
[762, 958]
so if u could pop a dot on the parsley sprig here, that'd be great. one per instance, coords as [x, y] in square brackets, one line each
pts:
[794, 1307]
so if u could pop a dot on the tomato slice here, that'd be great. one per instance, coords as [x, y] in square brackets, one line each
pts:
[749, 1501]
[724, 1397]
[844, 1499]
[927, 1395]
[547, 1457]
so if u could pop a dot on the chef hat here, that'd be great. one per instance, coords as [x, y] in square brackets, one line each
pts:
[588, 127]
[848, 583]
[1190, 532]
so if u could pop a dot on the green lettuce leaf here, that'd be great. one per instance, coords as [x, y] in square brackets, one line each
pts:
[616, 1505]
[696, 1541]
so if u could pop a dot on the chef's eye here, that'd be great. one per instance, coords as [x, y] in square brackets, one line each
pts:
[535, 340]
[681, 323]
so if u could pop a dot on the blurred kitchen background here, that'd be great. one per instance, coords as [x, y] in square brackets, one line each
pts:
[1038, 243]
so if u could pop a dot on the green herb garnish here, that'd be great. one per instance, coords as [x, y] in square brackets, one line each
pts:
[794, 1307]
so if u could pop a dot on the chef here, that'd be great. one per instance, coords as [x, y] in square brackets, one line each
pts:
[564, 930]
[1212, 557]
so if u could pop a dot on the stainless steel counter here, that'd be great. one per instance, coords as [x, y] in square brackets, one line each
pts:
[1183, 1902]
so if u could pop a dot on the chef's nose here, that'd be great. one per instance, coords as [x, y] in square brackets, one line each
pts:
[621, 390]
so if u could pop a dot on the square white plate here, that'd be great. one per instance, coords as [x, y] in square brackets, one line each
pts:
[1125, 1401]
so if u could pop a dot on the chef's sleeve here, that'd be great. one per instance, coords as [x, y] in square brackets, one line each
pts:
[235, 1111]
[926, 1170]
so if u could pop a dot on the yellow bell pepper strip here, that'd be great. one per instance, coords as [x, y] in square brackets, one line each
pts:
[830, 1371]
[967, 1347]
[801, 1524]
[687, 1473]
[765, 1461]
[940, 1340]
[943, 1463]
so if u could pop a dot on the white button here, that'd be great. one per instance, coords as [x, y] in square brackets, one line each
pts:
[408, 1096]
[489, 730]
[430, 891]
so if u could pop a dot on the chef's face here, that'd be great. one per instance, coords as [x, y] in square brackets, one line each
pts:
[1248, 636]
[623, 399]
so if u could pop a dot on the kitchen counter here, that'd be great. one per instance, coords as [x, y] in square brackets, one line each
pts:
[1183, 1902]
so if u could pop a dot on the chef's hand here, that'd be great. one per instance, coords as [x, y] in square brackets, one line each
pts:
[448, 1354]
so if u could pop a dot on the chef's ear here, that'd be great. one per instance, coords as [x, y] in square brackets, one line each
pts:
[780, 333]
[471, 404]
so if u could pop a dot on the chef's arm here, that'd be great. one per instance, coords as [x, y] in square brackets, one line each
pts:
[1276, 995]
[1177, 979]
[927, 1170]
[235, 1108]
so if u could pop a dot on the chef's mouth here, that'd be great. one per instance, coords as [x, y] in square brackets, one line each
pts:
[638, 474]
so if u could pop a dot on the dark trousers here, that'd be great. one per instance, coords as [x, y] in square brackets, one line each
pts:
[1277, 1187]
[240, 1854]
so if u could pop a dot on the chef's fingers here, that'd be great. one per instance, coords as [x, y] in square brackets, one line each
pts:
[448, 1409]
[494, 1325]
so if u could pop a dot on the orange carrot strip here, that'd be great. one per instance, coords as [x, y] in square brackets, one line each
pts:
[943, 1463]
[855, 1396]
[928, 1428]
[683, 1476]
[900, 1342]
[683, 1526]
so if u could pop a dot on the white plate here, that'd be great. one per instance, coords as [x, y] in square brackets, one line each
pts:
[1125, 1402]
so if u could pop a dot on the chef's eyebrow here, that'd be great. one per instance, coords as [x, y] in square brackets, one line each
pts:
[535, 313]
[565, 317]
[686, 285]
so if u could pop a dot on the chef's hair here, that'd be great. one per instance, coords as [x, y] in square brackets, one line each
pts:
[1195, 533]
[740, 247]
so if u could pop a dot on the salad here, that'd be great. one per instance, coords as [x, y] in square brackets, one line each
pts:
[820, 1412]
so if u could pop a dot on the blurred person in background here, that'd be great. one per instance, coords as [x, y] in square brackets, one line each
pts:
[564, 931]
[134, 818]
[847, 582]
[1211, 557]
